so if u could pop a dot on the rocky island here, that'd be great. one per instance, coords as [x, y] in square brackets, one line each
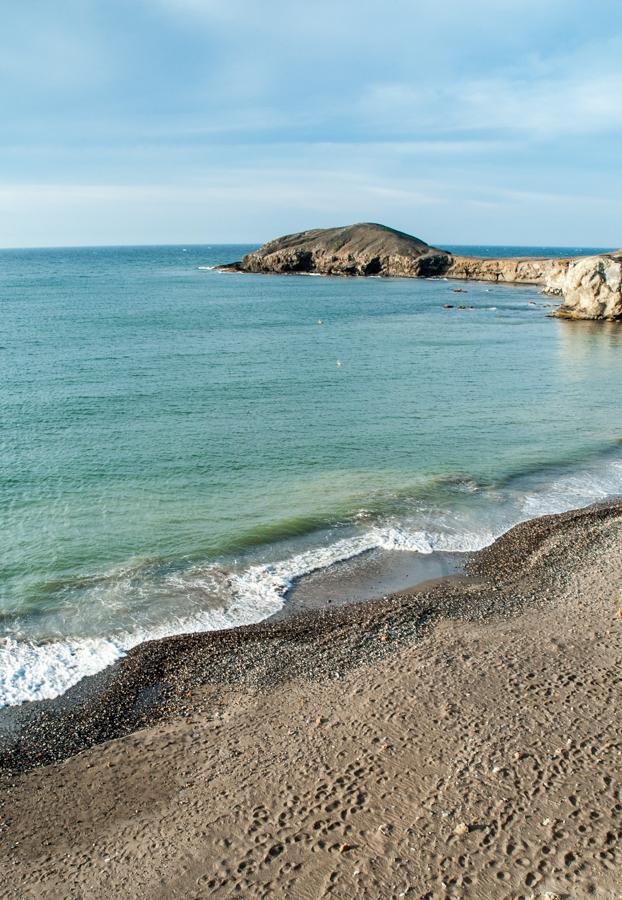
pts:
[590, 286]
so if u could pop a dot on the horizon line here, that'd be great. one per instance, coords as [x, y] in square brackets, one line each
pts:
[439, 244]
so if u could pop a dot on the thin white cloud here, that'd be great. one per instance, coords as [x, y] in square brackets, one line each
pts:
[556, 96]
[254, 204]
[573, 105]
[224, 119]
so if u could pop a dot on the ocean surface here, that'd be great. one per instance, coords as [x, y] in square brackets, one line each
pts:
[180, 446]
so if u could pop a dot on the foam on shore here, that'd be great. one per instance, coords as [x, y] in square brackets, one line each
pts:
[31, 670]
[38, 671]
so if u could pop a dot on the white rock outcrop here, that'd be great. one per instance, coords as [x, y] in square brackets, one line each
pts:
[591, 287]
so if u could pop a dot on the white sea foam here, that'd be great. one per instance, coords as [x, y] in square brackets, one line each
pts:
[39, 671]
[31, 671]
[272, 582]
[206, 268]
[34, 671]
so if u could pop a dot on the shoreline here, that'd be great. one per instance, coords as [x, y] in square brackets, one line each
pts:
[377, 575]
[148, 684]
[369, 576]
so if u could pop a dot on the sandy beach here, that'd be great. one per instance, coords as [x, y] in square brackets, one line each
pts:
[462, 740]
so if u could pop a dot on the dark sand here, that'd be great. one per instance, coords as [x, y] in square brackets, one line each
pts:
[462, 740]
[369, 576]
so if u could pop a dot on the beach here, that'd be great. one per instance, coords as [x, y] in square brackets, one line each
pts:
[459, 740]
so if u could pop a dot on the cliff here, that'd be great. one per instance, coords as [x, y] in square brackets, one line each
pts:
[510, 270]
[591, 286]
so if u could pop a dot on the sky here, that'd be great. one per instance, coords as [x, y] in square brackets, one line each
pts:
[234, 121]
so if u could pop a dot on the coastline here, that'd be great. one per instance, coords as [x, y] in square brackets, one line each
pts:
[589, 286]
[146, 680]
[33, 733]
[371, 575]
[375, 747]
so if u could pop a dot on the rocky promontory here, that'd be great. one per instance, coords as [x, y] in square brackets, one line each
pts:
[365, 249]
[590, 286]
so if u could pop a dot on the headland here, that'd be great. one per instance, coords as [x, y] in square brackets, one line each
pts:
[590, 286]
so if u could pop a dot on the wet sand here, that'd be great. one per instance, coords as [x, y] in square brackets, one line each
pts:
[461, 740]
[369, 576]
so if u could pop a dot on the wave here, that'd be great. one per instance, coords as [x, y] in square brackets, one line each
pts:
[272, 582]
[477, 514]
[40, 671]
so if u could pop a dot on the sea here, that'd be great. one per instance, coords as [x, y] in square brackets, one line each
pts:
[180, 448]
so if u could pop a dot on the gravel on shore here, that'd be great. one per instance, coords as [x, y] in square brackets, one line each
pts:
[156, 680]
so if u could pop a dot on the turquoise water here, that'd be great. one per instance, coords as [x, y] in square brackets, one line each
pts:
[178, 444]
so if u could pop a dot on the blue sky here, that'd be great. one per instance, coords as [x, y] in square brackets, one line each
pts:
[192, 121]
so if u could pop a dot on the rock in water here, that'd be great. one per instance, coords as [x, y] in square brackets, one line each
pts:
[364, 249]
[591, 287]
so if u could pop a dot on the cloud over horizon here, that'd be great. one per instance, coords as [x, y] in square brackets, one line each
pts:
[200, 120]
